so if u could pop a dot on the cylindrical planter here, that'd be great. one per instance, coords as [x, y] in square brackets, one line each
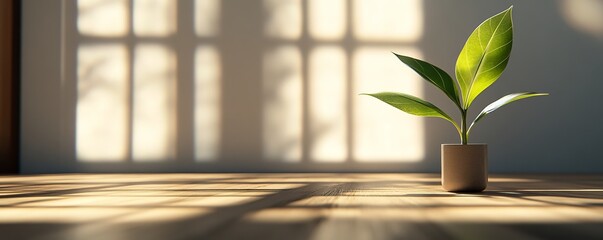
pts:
[464, 167]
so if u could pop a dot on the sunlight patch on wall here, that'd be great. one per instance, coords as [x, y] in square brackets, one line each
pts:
[153, 135]
[101, 118]
[328, 110]
[384, 133]
[327, 19]
[207, 17]
[584, 15]
[207, 103]
[154, 17]
[282, 125]
[103, 18]
[388, 20]
[283, 18]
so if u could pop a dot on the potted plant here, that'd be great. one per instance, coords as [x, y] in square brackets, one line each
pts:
[480, 63]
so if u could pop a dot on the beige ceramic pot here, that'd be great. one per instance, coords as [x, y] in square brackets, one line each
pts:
[464, 167]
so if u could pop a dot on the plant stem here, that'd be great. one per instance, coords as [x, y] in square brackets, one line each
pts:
[464, 132]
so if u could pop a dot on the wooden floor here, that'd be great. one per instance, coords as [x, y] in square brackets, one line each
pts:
[297, 206]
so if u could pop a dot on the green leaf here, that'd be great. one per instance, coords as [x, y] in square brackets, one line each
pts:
[412, 105]
[485, 55]
[504, 101]
[434, 75]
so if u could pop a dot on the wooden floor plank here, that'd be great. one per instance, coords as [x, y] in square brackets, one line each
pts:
[297, 206]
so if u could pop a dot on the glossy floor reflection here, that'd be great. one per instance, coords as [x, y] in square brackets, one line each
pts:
[297, 206]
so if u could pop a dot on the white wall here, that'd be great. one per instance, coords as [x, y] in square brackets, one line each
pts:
[253, 92]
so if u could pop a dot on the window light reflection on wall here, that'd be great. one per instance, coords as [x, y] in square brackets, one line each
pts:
[207, 16]
[328, 109]
[154, 124]
[378, 134]
[329, 72]
[282, 104]
[283, 19]
[103, 18]
[207, 103]
[388, 20]
[383, 133]
[102, 91]
[154, 17]
[326, 19]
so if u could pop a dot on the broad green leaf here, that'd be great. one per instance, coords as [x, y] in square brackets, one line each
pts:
[434, 75]
[484, 56]
[412, 105]
[504, 101]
